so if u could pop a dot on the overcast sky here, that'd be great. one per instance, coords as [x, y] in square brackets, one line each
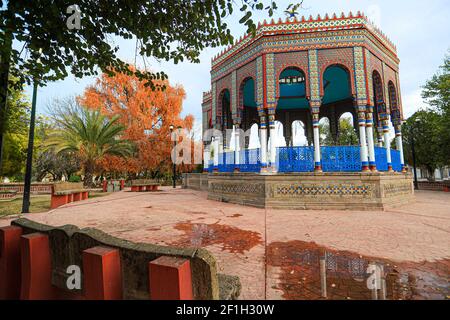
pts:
[420, 30]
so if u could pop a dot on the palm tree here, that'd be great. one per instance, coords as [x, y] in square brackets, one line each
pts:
[90, 135]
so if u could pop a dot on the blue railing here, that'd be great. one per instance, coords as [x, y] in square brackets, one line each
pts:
[301, 159]
[295, 159]
[341, 159]
[250, 160]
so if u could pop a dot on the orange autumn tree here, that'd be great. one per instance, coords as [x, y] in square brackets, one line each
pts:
[146, 114]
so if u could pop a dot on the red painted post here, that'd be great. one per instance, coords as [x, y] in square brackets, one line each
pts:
[170, 279]
[58, 201]
[77, 196]
[36, 268]
[10, 262]
[102, 274]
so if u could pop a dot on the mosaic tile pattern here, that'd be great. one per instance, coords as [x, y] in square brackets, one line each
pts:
[233, 93]
[259, 82]
[304, 26]
[213, 104]
[360, 76]
[340, 56]
[291, 59]
[270, 78]
[319, 190]
[245, 188]
[313, 70]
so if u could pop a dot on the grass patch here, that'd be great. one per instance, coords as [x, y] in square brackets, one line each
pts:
[38, 203]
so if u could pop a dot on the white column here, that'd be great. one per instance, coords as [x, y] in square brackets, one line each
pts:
[216, 151]
[206, 158]
[387, 144]
[263, 141]
[316, 136]
[237, 146]
[380, 137]
[399, 144]
[363, 141]
[370, 142]
[273, 150]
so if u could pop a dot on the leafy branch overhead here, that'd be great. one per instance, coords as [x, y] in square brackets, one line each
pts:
[172, 30]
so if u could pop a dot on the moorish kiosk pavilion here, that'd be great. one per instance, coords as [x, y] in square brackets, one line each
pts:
[305, 69]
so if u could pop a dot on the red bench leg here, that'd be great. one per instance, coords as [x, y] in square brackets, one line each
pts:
[36, 267]
[102, 274]
[10, 262]
[77, 196]
[58, 201]
[170, 279]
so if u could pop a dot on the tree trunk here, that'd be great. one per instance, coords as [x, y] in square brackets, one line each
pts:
[5, 58]
[89, 169]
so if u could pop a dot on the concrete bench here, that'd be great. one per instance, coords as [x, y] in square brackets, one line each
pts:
[34, 260]
[140, 185]
[113, 185]
[66, 192]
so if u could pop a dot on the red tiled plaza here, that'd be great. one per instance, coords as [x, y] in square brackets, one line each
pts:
[267, 248]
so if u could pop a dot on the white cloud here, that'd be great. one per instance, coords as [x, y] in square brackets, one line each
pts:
[412, 101]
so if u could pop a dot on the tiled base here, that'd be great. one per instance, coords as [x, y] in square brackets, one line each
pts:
[352, 191]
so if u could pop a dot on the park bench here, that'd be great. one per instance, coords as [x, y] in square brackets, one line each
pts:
[66, 192]
[34, 260]
[139, 185]
[113, 185]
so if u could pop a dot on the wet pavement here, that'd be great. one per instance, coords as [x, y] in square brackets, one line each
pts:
[281, 254]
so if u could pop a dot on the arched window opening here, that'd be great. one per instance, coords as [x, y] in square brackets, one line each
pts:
[299, 138]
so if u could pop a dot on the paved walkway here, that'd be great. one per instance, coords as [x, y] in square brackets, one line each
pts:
[263, 247]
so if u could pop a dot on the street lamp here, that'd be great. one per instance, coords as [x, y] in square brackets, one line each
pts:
[413, 150]
[174, 166]
[28, 168]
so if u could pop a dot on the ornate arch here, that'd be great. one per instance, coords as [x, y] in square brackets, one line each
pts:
[342, 64]
[241, 90]
[394, 105]
[299, 67]
[220, 113]
[378, 93]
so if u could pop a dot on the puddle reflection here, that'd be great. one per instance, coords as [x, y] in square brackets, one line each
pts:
[311, 272]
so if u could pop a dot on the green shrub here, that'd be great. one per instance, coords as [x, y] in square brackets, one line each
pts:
[74, 179]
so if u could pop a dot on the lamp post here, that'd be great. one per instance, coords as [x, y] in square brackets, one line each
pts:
[174, 166]
[28, 168]
[413, 150]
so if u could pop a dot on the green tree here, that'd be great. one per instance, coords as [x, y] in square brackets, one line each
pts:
[424, 127]
[436, 93]
[88, 134]
[165, 29]
[346, 137]
[15, 133]
[47, 161]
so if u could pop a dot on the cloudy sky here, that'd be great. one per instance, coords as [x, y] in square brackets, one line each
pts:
[418, 28]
